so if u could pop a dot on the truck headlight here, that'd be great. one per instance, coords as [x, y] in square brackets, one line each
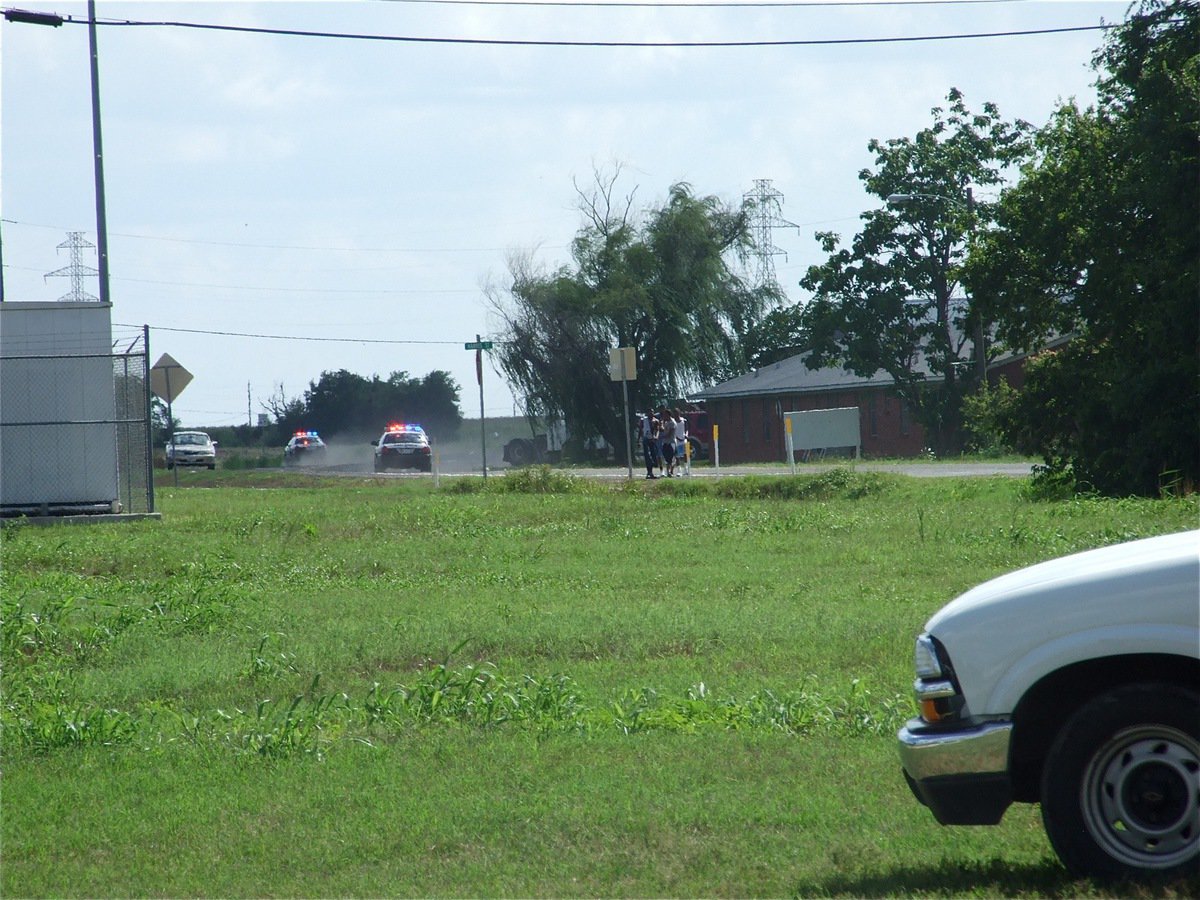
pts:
[936, 689]
[925, 658]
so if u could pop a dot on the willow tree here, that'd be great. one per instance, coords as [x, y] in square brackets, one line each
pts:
[663, 281]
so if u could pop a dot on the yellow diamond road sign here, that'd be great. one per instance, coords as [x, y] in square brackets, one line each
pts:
[168, 378]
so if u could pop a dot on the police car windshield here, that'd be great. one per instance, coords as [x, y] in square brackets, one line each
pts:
[403, 437]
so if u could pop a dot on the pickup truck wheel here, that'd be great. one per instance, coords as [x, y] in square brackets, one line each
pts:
[1121, 785]
[519, 452]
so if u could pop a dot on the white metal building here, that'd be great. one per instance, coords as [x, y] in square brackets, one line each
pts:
[58, 409]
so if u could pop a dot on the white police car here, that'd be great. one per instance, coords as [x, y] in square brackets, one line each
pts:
[403, 446]
[304, 448]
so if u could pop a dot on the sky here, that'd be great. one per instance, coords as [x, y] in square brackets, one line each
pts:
[279, 206]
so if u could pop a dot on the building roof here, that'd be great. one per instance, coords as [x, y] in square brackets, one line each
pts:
[793, 376]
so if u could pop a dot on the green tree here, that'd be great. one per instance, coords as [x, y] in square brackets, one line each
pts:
[891, 301]
[1100, 241]
[161, 426]
[777, 335]
[662, 283]
[343, 402]
[434, 399]
[340, 401]
[288, 416]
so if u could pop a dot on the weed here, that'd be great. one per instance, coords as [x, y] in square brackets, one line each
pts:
[264, 664]
[835, 483]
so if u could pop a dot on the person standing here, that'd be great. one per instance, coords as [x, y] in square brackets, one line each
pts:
[667, 439]
[682, 457]
[650, 429]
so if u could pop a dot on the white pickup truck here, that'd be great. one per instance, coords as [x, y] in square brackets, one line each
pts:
[1074, 683]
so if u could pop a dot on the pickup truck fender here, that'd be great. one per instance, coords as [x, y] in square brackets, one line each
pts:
[1082, 646]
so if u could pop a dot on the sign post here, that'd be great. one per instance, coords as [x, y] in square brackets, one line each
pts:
[622, 366]
[479, 345]
[791, 453]
[167, 380]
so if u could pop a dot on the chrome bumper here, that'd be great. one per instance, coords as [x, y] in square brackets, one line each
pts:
[962, 775]
[982, 749]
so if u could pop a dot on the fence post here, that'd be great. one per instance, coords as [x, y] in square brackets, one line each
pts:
[149, 420]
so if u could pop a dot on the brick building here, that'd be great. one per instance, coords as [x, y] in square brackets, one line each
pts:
[748, 410]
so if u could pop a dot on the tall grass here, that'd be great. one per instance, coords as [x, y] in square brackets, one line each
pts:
[533, 685]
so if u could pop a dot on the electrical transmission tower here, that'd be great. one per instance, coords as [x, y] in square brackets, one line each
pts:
[76, 243]
[764, 203]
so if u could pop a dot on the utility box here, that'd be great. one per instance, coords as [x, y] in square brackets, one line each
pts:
[58, 438]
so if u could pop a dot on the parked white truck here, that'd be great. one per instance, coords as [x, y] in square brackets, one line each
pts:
[1074, 683]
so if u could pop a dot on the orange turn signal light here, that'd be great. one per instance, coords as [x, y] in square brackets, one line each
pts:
[930, 712]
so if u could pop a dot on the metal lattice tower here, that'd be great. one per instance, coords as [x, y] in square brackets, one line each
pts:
[77, 271]
[765, 204]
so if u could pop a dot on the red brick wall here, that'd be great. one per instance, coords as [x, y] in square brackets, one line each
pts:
[751, 429]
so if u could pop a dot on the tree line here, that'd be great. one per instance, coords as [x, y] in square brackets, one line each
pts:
[344, 404]
[989, 238]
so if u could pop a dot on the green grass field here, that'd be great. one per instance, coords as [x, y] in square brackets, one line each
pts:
[534, 686]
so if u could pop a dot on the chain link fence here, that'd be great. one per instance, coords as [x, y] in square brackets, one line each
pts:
[75, 428]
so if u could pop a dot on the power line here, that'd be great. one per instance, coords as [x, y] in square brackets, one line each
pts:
[291, 290]
[287, 337]
[264, 288]
[308, 248]
[506, 42]
[715, 4]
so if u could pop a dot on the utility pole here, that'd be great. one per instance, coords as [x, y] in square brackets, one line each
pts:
[98, 156]
[55, 21]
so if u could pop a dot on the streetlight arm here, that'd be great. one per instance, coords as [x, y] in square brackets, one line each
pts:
[28, 17]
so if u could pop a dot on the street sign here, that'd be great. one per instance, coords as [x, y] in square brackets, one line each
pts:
[622, 364]
[479, 345]
[168, 378]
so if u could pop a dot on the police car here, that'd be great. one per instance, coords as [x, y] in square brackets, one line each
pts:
[403, 446]
[304, 448]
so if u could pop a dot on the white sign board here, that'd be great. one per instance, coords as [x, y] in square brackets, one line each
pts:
[168, 379]
[622, 364]
[818, 429]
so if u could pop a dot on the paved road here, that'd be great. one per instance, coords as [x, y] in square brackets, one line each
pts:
[914, 469]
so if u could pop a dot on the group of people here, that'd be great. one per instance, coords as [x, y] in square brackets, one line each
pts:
[664, 442]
